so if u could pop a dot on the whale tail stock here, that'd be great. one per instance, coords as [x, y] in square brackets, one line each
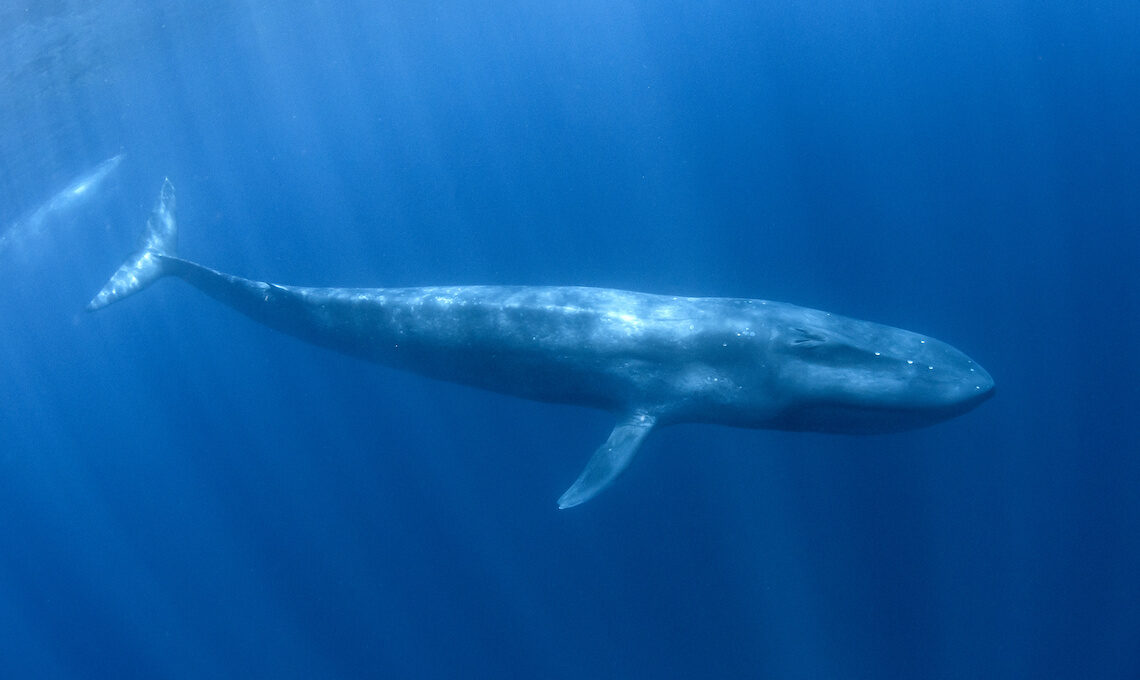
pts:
[145, 265]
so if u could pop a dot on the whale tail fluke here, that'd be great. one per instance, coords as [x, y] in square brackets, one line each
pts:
[145, 265]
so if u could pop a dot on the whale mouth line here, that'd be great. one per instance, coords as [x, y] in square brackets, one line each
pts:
[846, 418]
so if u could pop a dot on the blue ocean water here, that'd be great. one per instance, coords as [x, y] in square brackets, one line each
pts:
[186, 494]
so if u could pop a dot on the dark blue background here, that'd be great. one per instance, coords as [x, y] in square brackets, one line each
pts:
[184, 494]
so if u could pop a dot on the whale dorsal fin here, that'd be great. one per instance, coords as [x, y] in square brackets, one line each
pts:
[609, 460]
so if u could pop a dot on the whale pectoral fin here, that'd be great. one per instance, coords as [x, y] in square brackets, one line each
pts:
[609, 460]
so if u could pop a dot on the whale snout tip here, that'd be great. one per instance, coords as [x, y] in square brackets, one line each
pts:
[982, 383]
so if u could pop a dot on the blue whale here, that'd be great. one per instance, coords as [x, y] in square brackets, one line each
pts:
[28, 229]
[652, 360]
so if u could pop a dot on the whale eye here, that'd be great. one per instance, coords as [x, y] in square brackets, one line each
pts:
[802, 337]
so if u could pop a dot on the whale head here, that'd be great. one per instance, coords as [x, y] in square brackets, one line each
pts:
[838, 374]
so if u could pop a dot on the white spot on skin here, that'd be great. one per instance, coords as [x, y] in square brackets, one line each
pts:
[909, 361]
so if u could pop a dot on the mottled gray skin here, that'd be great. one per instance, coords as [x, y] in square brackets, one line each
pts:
[748, 363]
[651, 359]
